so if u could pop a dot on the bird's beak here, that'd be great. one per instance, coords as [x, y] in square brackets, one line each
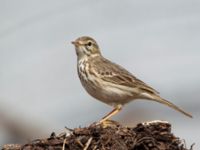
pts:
[75, 43]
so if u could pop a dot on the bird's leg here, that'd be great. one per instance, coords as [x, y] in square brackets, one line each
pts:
[112, 113]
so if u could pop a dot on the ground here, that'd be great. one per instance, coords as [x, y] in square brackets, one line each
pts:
[155, 135]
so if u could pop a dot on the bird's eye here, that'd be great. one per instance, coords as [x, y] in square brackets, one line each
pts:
[89, 43]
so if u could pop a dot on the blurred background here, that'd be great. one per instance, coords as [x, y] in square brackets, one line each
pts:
[40, 92]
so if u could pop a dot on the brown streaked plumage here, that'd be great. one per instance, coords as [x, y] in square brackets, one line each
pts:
[109, 82]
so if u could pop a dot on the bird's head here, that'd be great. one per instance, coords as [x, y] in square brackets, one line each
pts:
[86, 47]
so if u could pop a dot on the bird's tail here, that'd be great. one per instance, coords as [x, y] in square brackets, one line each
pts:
[159, 99]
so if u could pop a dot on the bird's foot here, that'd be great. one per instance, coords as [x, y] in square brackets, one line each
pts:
[106, 123]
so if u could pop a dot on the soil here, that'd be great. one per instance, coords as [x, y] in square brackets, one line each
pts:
[155, 135]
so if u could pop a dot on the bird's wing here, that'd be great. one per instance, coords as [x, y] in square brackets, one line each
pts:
[111, 72]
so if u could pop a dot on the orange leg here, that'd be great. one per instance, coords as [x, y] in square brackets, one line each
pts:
[112, 113]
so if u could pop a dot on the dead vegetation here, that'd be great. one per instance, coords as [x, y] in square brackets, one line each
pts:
[154, 135]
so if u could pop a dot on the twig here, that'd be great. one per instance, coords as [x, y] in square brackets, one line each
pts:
[88, 143]
[64, 142]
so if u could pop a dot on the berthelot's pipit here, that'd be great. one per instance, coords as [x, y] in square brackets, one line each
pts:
[109, 82]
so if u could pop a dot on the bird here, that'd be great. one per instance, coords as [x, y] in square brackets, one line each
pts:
[109, 82]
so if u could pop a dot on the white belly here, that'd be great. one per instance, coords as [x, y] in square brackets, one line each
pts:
[110, 94]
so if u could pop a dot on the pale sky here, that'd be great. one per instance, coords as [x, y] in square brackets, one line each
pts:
[158, 41]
